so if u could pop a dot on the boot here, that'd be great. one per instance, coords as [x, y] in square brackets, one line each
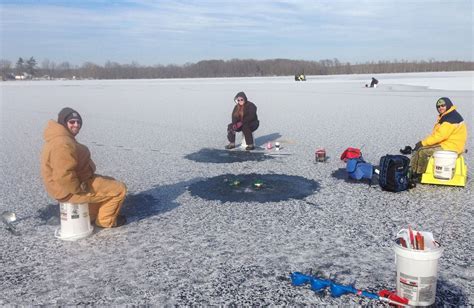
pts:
[120, 221]
[413, 179]
[250, 147]
[230, 146]
[416, 177]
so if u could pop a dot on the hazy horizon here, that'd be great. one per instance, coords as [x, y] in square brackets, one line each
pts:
[39, 61]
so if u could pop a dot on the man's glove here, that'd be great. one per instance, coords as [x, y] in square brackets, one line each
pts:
[418, 145]
[407, 150]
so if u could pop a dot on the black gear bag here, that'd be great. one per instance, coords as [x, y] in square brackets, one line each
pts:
[394, 172]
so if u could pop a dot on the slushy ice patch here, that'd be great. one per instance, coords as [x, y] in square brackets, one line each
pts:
[218, 156]
[254, 188]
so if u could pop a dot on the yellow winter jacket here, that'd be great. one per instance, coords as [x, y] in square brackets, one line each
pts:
[450, 132]
[65, 163]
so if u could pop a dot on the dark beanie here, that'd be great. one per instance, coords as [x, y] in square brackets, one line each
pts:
[444, 101]
[241, 94]
[67, 114]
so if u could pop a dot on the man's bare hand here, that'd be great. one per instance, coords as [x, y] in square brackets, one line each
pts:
[84, 187]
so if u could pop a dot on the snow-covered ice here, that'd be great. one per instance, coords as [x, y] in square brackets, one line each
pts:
[180, 248]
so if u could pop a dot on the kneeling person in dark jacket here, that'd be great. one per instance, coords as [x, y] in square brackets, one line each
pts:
[244, 119]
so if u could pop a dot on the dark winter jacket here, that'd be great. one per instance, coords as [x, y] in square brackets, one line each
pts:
[250, 111]
[373, 82]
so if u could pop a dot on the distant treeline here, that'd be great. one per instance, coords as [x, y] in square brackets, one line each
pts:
[221, 68]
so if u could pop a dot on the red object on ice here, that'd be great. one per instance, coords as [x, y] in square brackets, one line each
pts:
[393, 296]
[320, 155]
[350, 153]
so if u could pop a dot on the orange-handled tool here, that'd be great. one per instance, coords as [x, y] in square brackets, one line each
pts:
[420, 241]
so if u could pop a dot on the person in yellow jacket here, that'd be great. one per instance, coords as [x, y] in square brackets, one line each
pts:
[449, 134]
[68, 172]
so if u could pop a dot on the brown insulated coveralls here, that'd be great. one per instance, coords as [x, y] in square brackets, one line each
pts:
[66, 164]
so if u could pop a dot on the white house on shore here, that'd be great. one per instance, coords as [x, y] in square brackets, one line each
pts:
[23, 76]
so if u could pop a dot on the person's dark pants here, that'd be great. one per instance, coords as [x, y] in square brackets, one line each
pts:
[246, 129]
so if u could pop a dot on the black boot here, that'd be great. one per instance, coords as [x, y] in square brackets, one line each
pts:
[120, 221]
[414, 179]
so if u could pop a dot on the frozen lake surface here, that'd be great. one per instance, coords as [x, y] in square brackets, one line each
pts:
[191, 238]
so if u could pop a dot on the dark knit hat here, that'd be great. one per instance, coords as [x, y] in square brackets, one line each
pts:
[67, 114]
[240, 94]
[444, 101]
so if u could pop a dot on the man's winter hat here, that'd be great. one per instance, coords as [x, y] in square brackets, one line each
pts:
[240, 94]
[67, 114]
[444, 101]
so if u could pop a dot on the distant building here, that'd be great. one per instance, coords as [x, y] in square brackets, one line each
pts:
[23, 76]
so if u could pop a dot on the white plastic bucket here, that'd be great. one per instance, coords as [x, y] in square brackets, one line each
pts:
[75, 221]
[444, 164]
[417, 274]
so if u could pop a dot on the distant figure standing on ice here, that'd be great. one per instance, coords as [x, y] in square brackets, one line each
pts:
[244, 119]
[449, 134]
[68, 172]
[373, 83]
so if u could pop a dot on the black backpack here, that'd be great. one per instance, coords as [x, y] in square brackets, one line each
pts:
[394, 172]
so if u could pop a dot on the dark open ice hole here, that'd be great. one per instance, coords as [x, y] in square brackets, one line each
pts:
[218, 156]
[242, 188]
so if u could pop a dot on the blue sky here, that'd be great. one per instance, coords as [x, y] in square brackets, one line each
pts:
[177, 32]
